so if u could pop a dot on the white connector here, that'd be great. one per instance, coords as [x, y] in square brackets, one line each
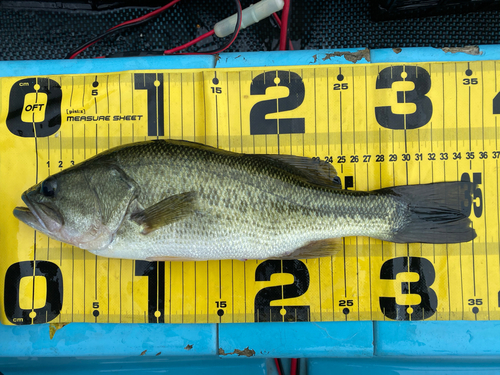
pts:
[253, 14]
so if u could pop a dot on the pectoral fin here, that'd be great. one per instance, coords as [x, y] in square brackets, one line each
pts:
[317, 249]
[167, 211]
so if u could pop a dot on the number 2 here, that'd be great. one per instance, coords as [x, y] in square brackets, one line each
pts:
[264, 312]
[258, 122]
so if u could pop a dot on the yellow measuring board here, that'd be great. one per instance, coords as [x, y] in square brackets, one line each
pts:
[380, 125]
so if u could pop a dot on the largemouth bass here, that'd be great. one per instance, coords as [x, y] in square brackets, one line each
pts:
[177, 200]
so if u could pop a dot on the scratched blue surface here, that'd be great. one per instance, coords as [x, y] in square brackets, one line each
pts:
[433, 338]
[330, 339]
[235, 60]
[85, 339]
[346, 347]
[90, 66]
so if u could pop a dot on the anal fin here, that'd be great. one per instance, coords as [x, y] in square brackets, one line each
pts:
[317, 249]
[167, 211]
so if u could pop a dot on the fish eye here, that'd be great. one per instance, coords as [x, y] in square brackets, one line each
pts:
[48, 188]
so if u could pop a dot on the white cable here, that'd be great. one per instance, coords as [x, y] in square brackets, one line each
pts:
[253, 14]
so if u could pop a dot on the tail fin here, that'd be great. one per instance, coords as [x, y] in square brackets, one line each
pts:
[437, 212]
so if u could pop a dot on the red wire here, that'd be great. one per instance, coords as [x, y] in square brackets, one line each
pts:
[147, 15]
[189, 44]
[277, 19]
[277, 366]
[81, 50]
[141, 18]
[211, 32]
[284, 25]
[293, 367]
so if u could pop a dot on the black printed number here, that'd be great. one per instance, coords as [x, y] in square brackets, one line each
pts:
[221, 304]
[473, 196]
[153, 84]
[54, 292]
[45, 99]
[338, 86]
[155, 272]
[346, 302]
[475, 301]
[264, 312]
[470, 81]
[258, 122]
[423, 112]
[428, 304]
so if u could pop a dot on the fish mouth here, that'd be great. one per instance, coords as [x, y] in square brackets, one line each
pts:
[39, 216]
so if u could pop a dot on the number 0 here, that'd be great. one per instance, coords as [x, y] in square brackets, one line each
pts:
[54, 293]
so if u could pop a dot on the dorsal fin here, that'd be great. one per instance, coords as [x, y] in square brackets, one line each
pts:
[317, 172]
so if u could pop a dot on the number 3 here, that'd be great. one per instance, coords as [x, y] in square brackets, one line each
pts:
[428, 304]
[423, 113]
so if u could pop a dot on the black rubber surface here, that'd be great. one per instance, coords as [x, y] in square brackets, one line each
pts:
[314, 24]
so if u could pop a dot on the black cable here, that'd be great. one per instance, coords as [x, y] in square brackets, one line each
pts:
[235, 32]
[107, 33]
[280, 366]
[119, 28]
[288, 40]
